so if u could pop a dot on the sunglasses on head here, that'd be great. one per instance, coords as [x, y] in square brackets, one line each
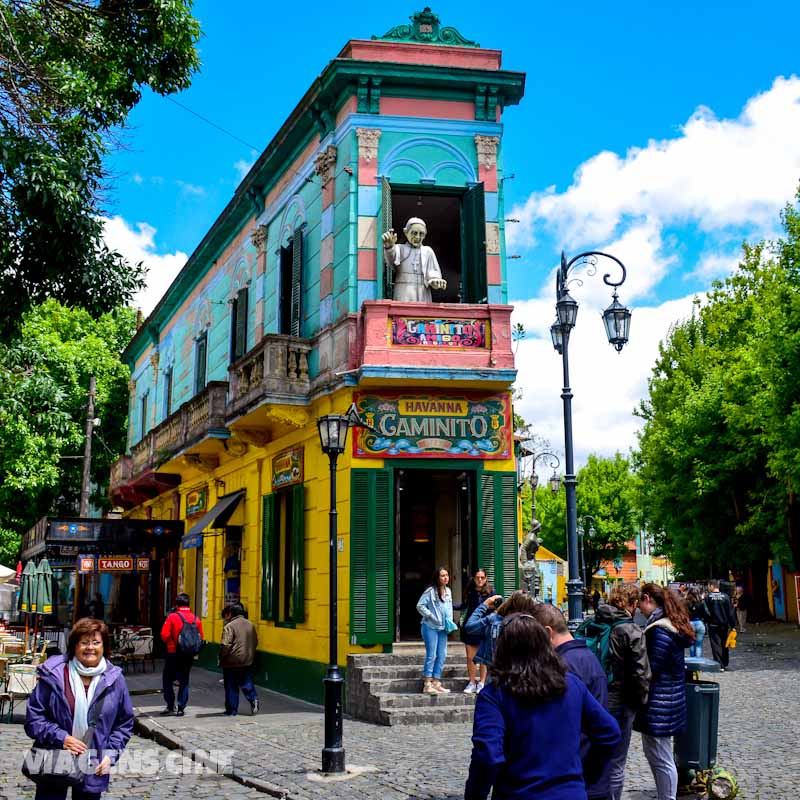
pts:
[511, 617]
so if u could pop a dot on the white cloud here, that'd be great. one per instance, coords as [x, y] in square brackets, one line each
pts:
[607, 386]
[242, 167]
[716, 173]
[191, 189]
[137, 243]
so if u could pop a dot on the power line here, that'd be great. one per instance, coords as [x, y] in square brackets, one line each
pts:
[213, 124]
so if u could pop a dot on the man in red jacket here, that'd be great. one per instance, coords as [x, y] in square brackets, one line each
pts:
[177, 664]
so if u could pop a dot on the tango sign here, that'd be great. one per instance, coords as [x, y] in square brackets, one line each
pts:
[437, 426]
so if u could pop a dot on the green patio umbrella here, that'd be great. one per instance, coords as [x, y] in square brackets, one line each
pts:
[44, 589]
[27, 588]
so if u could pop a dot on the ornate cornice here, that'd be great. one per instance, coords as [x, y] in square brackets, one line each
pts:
[368, 143]
[487, 150]
[325, 164]
[425, 28]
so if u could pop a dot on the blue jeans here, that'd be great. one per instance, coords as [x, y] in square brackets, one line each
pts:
[616, 768]
[658, 752]
[696, 650]
[234, 679]
[177, 667]
[435, 651]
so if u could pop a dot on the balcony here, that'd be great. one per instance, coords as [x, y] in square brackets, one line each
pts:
[427, 342]
[275, 371]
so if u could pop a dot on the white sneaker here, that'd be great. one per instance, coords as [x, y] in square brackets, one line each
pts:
[471, 688]
[479, 687]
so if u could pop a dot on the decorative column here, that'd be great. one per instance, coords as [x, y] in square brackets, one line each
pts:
[368, 249]
[486, 147]
[259, 239]
[325, 168]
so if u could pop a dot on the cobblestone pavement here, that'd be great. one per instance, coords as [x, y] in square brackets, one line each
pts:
[759, 729]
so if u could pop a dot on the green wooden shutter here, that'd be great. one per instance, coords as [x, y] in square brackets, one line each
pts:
[498, 540]
[200, 358]
[297, 281]
[386, 225]
[268, 560]
[239, 325]
[297, 613]
[371, 557]
[473, 246]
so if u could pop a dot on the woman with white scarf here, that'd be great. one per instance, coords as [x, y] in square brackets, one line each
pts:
[74, 693]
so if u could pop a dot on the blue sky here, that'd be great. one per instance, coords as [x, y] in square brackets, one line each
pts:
[665, 134]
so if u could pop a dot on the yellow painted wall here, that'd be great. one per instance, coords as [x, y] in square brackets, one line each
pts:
[253, 473]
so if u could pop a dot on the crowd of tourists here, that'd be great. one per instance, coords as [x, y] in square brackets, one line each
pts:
[556, 712]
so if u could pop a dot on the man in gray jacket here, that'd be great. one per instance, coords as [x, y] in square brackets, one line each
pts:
[237, 651]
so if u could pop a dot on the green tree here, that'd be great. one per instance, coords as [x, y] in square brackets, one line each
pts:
[70, 72]
[44, 378]
[717, 459]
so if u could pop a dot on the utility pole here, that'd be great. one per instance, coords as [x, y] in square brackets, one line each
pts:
[87, 451]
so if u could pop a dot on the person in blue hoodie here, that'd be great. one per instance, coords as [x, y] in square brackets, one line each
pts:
[529, 720]
[63, 702]
[584, 663]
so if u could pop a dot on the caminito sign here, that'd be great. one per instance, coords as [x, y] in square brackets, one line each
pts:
[468, 333]
[433, 426]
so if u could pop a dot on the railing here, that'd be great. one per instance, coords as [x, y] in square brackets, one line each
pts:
[194, 419]
[276, 368]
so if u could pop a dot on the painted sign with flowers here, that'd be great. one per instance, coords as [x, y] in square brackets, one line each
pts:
[404, 425]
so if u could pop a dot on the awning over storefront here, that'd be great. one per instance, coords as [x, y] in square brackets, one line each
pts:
[216, 518]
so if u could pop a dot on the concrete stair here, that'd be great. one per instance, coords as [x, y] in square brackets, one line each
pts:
[386, 688]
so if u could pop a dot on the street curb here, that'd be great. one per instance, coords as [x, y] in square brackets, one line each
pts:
[147, 727]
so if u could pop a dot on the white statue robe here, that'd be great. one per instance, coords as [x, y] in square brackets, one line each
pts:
[414, 269]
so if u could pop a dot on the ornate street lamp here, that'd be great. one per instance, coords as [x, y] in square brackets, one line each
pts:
[617, 322]
[585, 531]
[332, 438]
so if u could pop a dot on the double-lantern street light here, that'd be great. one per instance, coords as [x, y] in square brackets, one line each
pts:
[617, 322]
[332, 437]
[586, 529]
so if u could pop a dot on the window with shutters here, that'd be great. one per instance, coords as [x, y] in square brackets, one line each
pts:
[200, 360]
[283, 557]
[371, 557]
[239, 325]
[167, 392]
[143, 414]
[456, 223]
[291, 285]
[497, 526]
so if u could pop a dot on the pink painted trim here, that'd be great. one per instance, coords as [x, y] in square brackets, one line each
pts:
[325, 281]
[493, 271]
[413, 53]
[367, 172]
[438, 109]
[488, 177]
[367, 265]
[349, 107]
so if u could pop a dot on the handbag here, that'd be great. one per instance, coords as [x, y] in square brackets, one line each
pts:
[449, 625]
[730, 642]
[61, 769]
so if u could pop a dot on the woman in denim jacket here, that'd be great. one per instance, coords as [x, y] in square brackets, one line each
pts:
[485, 621]
[436, 608]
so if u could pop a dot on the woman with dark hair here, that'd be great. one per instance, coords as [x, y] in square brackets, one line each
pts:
[72, 693]
[436, 609]
[698, 617]
[668, 633]
[478, 589]
[528, 721]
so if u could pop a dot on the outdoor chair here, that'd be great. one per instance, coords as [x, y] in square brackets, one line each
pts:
[143, 650]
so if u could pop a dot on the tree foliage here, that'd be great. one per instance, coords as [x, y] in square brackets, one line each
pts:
[606, 491]
[719, 452]
[44, 379]
[70, 72]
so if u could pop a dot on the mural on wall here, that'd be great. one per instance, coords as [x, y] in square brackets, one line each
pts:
[287, 468]
[433, 426]
[196, 501]
[777, 589]
[423, 332]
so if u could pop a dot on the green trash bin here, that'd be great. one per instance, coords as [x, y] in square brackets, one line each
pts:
[696, 747]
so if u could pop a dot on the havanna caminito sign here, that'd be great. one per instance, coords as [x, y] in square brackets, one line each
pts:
[457, 425]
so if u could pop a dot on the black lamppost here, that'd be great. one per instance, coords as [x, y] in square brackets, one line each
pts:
[617, 321]
[585, 531]
[332, 437]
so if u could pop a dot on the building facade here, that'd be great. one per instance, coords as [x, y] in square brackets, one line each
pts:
[286, 312]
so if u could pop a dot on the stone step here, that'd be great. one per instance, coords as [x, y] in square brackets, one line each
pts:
[426, 716]
[455, 655]
[412, 685]
[407, 671]
[392, 700]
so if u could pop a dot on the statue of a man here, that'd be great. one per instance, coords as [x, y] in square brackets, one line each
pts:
[416, 270]
[531, 574]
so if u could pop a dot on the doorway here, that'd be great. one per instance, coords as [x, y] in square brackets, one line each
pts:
[435, 524]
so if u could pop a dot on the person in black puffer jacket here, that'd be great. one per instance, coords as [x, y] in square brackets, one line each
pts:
[630, 673]
[668, 633]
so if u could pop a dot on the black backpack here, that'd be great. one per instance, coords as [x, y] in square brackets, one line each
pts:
[189, 641]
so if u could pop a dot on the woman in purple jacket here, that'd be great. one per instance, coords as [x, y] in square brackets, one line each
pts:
[64, 701]
[528, 721]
